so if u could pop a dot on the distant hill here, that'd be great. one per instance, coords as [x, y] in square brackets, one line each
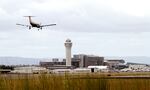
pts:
[18, 61]
[35, 61]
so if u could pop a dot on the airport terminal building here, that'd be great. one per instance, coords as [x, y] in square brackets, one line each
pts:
[78, 60]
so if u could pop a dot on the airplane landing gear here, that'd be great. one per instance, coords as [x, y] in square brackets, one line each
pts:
[41, 28]
[29, 27]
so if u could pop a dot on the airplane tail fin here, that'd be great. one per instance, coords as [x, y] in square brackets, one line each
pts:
[29, 16]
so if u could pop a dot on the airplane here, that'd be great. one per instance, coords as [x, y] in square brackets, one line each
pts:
[33, 24]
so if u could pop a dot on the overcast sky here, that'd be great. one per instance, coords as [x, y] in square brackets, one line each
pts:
[98, 27]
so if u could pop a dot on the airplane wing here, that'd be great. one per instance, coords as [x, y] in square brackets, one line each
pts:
[23, 25]
[48, 25]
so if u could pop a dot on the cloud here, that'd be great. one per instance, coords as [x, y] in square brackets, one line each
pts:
[102, 27]
[74, 15]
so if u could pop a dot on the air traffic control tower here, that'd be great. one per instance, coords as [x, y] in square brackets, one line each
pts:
[68, 45]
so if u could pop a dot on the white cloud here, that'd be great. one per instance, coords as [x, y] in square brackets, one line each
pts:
[139, 8]
[82, 15]
[102, 27]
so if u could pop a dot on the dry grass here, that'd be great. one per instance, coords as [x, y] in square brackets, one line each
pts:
[71, 82]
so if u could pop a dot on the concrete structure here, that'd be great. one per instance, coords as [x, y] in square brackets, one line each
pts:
[30, 69]
[113, 63]
[78, 61]
[2, 71]
[81, 58]
[98, 68]
[60, 64]
[82, 70]
[62, 71]
[138, 67]
[88, 60]
[68, 45]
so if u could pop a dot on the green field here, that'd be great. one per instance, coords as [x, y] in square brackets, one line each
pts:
[95, 81]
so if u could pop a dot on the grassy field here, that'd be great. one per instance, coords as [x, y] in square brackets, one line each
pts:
[73, 82]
